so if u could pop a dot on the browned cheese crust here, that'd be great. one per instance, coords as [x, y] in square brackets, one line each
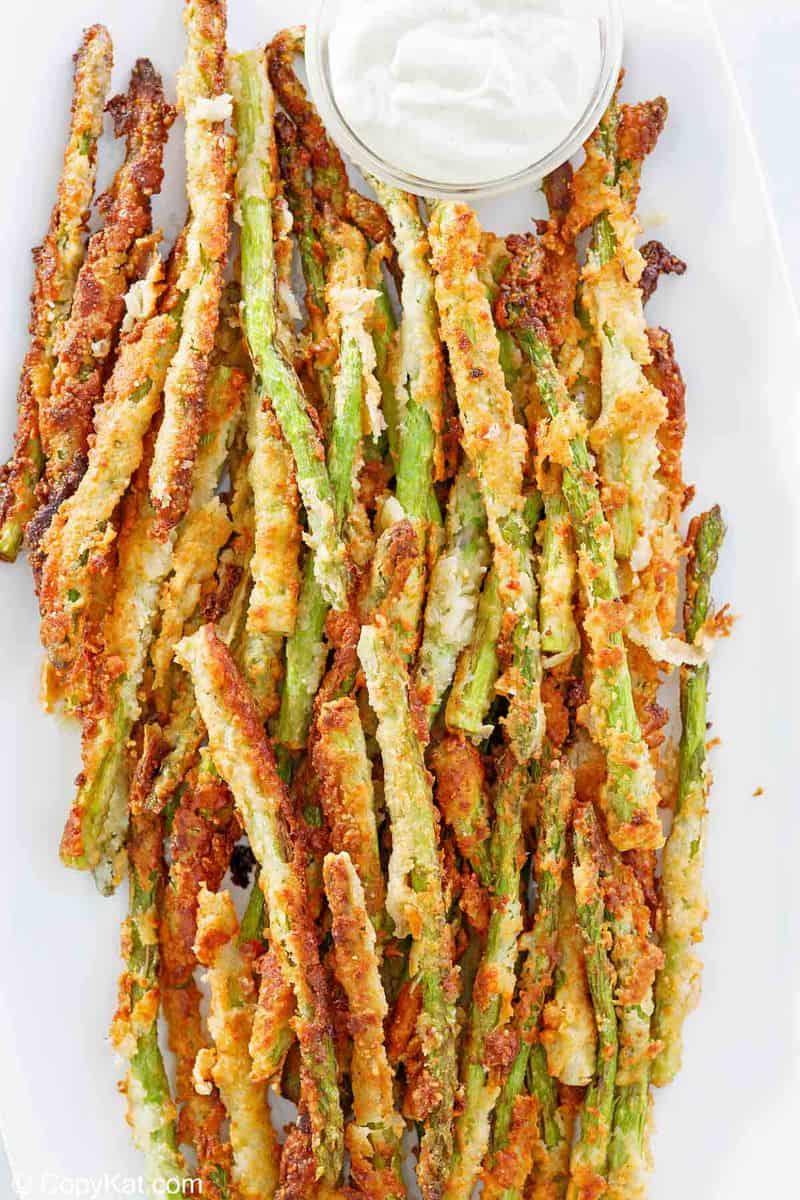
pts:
[113, 261]
[204, 830]
[56, 265]
[209, 168]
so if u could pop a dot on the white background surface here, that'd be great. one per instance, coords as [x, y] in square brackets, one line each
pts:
[720, 1125]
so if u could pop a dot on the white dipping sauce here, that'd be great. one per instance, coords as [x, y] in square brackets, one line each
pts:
[464, 91]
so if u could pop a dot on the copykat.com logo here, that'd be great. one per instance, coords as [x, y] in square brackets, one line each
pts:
[98, 1187]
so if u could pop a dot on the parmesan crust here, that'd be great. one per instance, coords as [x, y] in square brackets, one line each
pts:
[208, 184]
[57, 263]
[230, 1021]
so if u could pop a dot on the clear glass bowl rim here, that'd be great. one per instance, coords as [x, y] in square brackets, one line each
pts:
[351, 144]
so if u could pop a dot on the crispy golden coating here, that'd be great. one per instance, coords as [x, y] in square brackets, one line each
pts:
[76, 546]
[209, 187]
[113, 261]
[373, 1138]
[227, 1066]
[569, 1035]
[243, 757]
[273, 1031]
[512, 1165]
[56, 265]
[204, 830]
[276, 550]
[461, 795]
[348, 802]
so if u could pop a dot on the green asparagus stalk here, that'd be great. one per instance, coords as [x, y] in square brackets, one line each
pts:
[677, 986]
[588, 1162]
[478, 668]
[374, 1136]
[57, 263]
[558, 797]
[493, 990]
[557, 584]
[496, 446]
[275, 380]
[134, 1032]
[306, 651]
[244, 759]
[415, 899]
[453, 593]
[630, 797]
[205, 106]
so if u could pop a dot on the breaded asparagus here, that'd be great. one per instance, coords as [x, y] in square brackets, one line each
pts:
[134, 1032]
[202, 100]
[227, 1066]
[374, 1136]
[415, 898]
[243, 758]
[630, 796]
[496, 446]
[677, 986]
[115, 257]
[56, 265]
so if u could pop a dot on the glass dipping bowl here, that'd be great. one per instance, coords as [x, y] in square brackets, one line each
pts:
[323, 20]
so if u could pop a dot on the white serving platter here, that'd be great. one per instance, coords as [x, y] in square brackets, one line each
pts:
[726, 1130]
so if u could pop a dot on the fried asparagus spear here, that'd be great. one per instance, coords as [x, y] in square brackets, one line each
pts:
[348, 302]
[625, 435]
[454, 588]
[557, 584]
[75, 544]
[557, 801]
[493, 989]
[415, 898]
[202, 834]
[588, 1161]
[630, 796]
[227, 1066]
[56, 265]
[244, 759]
[419, 382]
[272, 612]
[134, 1032]
[569, 1033]
[496, 447]
[374, 1136]
[115, 257]
[184, 731]
[636, 959]
[677, 985]
[205, 106]
[95, 829]
[340, 759]
[462, 799]
[275, 379]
